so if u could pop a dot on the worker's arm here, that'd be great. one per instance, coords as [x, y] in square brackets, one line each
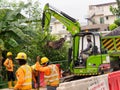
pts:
[40, 68]
[20, 78]
[87, 48]
[33, 76]
[6, 63]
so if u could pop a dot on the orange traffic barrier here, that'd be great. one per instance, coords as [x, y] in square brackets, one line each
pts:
[114, 80]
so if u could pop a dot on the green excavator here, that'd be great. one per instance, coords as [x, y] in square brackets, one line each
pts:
[105, 49]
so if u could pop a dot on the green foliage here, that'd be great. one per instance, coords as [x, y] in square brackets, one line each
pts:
[9, 26]
[25, 33]
[116, 10]
[112, 26]
[56, 56]
[2, 45]
[117, 21]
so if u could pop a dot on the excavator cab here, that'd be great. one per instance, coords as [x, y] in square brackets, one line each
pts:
[94, 49]
[96, 62]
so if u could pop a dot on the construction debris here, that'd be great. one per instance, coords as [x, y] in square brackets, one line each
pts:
[56, 44]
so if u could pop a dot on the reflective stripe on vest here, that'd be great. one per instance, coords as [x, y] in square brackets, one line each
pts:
[54, 74]
[28, 75]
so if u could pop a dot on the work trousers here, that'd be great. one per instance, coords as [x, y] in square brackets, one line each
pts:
[11, 76]
[51, 87]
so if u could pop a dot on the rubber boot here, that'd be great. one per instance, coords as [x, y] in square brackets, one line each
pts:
[14, 83]
[10, 85]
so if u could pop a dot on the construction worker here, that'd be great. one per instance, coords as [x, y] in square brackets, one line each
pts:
[51, 72]
[35, 78]
[23, 74]
[88, 50]
[9, 66]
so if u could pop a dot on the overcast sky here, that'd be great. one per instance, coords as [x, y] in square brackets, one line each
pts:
[77, 9]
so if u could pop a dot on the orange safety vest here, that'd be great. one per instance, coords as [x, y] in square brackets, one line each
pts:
[53, 78]
[27, 85]
[9, 64]
[60, 74]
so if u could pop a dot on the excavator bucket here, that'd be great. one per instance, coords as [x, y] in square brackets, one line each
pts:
[56, 44]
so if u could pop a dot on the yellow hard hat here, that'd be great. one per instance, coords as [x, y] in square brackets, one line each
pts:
[9, 53]
[21, 55]
[44, 60]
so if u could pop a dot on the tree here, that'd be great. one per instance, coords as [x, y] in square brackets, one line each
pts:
[37, 45]
[26, 31]
[10, 32]
[117, 21]
[112, 26]
[116, 10]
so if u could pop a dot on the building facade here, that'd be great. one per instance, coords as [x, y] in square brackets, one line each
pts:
[100, 14]
[98, 19]
[57, 28]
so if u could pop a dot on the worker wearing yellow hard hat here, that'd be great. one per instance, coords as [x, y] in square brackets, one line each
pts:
[21, 56]
[23, 74]
[51, 72]
[10, 72]
[44, 60]
[9, 54]
[38, 78]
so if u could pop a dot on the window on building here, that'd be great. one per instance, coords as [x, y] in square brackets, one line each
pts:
[51, 28]
[63, 27]
[91, 7]
[101, 20]
[107, 18]
[105, 29]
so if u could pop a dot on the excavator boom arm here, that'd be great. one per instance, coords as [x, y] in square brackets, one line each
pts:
[71, 24]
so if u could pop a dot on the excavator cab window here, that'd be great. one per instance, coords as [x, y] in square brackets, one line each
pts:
[93, 48]
[84, 52]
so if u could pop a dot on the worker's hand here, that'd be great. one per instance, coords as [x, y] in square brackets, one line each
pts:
[38, 58]
[34, 81]
[9, 67]
[80, 51]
